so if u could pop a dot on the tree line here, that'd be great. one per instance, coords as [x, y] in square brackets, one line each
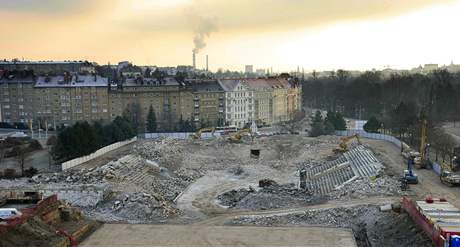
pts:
[395, 105]
[327, 126]
[83, 138]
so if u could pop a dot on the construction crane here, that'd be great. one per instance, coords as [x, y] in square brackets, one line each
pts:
[422, 161]
[197, 135]
[236, 137]
[448, 175]
[343, 146]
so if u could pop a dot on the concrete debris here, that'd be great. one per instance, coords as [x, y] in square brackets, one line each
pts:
[269, 197]
[267, 183]
[370, 226]
[366, 187]
[130, 208]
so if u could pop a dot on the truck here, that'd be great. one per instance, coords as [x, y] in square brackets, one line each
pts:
[438, 218]
[449, 176]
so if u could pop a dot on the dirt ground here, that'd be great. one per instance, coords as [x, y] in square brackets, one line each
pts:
[202, 236]
[189, 176]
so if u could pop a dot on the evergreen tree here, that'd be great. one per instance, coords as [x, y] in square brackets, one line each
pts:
[317, 127]
[329, 128]
[340, 123]
[152, 121]
[331, 118]
[372, 125]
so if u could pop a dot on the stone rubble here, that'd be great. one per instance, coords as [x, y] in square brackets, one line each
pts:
[370, 226]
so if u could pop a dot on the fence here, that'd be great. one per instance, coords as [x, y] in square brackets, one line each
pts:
[179, 135]
[367, 135]
[78, 161]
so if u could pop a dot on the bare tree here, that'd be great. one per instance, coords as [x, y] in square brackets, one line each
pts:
[2, 150]
[20, 155]
[296, 122]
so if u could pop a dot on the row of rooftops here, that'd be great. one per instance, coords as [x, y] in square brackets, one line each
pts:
[49, 62]
[94, 80]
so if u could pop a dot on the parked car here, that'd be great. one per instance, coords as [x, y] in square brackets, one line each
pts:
[8, 213]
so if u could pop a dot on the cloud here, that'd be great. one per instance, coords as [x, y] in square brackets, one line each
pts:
[53, 7]
[271, 15]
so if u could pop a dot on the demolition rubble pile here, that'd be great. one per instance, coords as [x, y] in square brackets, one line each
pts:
[371, 227]
[354, 175]
[269, 196]
[366, 187]
[141, 186]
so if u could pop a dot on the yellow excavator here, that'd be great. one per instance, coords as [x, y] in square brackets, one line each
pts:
[197, 135]
[236, 137]
[343, 146]
[422, 160]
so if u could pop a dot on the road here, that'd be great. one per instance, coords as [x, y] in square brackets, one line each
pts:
[429, 182]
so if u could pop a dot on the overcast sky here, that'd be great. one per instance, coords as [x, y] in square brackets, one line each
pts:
[283, 34]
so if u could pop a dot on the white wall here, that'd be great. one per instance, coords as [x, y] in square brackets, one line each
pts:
[78, 161]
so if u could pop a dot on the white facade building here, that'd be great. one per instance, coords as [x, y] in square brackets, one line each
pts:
[239, 103]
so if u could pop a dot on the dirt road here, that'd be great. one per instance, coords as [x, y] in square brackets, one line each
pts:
[202, 236]
[429, 182]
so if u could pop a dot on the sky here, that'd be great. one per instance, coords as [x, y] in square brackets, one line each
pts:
[278, 34]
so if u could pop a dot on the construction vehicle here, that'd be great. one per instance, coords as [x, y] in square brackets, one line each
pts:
[422, 161]
[448, 174]
[343, 146]
[437, 218]
[197, 135]
[236, 137]
[409, 176]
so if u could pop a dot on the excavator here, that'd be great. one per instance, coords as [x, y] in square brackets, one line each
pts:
[409, 176]
[236, 137]
[448, 176]
[197, 135]
[422, 161]
[343, 146]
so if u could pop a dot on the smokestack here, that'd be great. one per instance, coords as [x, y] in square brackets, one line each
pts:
[207, 63]
[194, 60]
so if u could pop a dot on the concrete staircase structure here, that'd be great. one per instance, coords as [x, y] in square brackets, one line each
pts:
[358, 162]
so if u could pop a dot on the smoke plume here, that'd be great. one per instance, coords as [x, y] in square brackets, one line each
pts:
[203, 29]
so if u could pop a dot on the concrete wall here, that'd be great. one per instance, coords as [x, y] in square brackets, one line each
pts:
[78, 161]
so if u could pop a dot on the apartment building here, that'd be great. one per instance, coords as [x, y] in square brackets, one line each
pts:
[169, 102]
[208, 102]
[16, 96]
[49, 67]
[70, 98]
[239, 101]
[294, 99]
[263, 101]
[279, 89]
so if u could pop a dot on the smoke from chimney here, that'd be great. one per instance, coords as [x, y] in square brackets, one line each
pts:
[203, 29]
[207, 63]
